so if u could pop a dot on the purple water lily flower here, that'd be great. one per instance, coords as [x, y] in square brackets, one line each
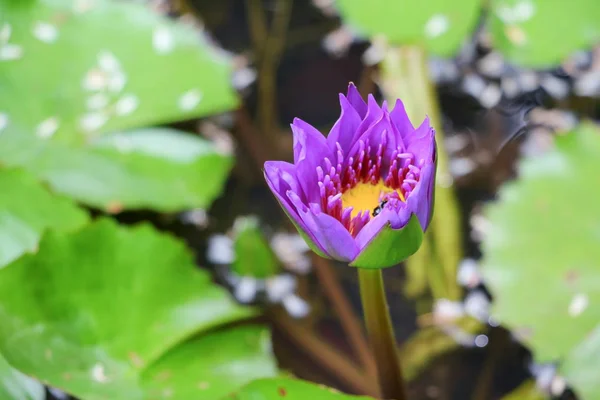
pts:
[364, 194]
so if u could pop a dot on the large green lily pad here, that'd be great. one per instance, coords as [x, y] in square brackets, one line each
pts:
[442, 26]
[66, 80]
[156, 168]
[67, 64]
[288, 389]
[27, 210]
[16, 386]
[110, 312]
[542, 33]
[542, 252]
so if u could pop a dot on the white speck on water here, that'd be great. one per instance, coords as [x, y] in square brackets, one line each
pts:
[481, 340]
[198, 217]
[437, 25]
[126, 105]
[558, 386]
[578, 304]
[190, 100]
[220, 250]
[295, 306]
[588, 84]
[5, 32]
[95, 80]
[338, 42]
[280, 286]
[117, 82]
[245, 290]
[477, 305]
[243, 78]
[468, 273]
[510, 86]
[490, 96]
[555, 87]
[456, 143]
[473, 84]
[97, 101]
[10, 52]
[98, 373]
[3, 121]
[374, 54]
[162, 40]
[491, 65]
[45, 32]
[93, 121]
[108, 62]
[529, 80]
[462, 166]
[47, 128]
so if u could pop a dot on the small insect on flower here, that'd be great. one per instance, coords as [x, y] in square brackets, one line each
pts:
[377, 210]
[363, 194]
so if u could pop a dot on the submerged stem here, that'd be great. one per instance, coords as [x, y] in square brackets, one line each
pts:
[381, 334]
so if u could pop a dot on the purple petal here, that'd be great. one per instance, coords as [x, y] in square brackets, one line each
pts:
[422, 142]
[329, 233]
[356, 100]
[345, 127]
[420, 200]
[310, 149]
[401, 120]
[374, 113]
[277, 175]
[396, 219]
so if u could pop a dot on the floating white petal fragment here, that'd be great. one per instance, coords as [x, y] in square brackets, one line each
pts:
[523, 10]
[280, 286]
[10, 52]
[555, 87]
[108, 62]
[126, 105]
[162, 40]
[220, 250]
[295, 306]
[47, 128]
[445, 311]
[578, 304]
[5, 32]
[45, 32]
[93, 121]
[97, 101]
[437, 25]
[117, 82]
[3, 121]
[98, 373]
[95, 80]
[473, 84]
[558, 386]
[198, 217]
[245, 290]
[338, 41]
[190, 99]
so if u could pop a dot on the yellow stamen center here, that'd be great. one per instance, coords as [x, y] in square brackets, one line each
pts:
[365, 196]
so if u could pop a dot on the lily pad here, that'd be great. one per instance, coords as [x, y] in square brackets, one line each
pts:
[27, 210]
[442, 26]
[288, 389]
[520, 29]
[542, 252]
[66, 80]
[60, 64]
[16, 386]
[108, 311]
[157, 168]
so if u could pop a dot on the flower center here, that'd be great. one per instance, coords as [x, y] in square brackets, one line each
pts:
[366, 197]
[354, 188]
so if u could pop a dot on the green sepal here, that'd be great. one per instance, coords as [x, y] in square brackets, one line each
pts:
[253, 254]
[391, 246]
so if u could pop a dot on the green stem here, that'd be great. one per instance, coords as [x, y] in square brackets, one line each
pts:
[405, 75]
[381, 334]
